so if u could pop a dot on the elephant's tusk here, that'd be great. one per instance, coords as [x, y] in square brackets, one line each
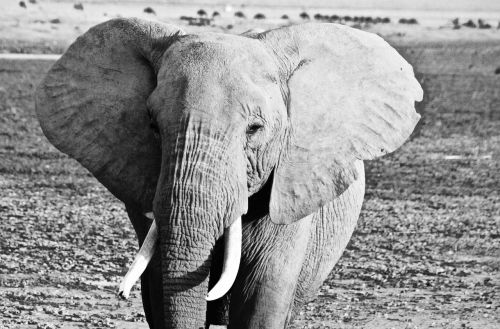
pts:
[232, 255]
[141, 261]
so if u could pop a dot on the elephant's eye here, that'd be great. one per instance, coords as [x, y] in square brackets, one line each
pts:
[254, 127]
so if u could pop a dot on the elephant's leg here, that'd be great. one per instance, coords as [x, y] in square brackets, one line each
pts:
[151, 287]
[284, 265]
[272, 258]
[331, 230]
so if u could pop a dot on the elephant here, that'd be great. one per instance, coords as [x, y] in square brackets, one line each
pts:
[241, 155]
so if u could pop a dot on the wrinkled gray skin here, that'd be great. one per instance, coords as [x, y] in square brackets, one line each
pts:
[201, 129]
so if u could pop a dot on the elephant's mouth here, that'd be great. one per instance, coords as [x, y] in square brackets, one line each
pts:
[231, 263]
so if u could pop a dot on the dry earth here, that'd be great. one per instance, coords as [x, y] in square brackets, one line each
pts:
[425, 254]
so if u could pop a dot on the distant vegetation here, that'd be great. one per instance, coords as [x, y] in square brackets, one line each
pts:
[203, 19]
[149, 10]
[410, 21]
[197, 21]
[239, 14]
[304, 15]
[471, 24]
[348, 19]
[483, 25]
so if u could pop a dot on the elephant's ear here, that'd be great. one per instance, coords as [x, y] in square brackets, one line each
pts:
[349, 96]
[92, 104]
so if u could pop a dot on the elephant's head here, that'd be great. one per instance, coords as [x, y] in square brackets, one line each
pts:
[190, 126]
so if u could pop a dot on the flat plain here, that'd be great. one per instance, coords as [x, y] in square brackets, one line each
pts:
[425, 254]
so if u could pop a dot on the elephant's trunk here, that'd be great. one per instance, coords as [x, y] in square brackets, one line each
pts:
[202, 189]
[185, 258]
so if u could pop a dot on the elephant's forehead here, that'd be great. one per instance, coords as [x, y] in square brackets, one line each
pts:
[217, 75]
[220, 53]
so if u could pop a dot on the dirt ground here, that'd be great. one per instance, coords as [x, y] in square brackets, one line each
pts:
[425, 254]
